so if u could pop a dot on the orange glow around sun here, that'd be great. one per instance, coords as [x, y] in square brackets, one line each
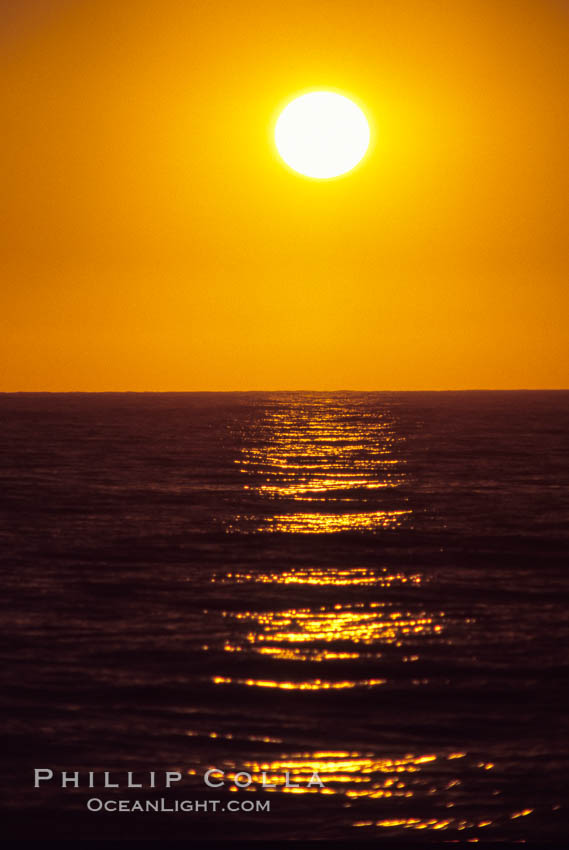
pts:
[154, 238]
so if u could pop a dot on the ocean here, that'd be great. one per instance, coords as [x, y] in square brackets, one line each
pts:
[371, 587]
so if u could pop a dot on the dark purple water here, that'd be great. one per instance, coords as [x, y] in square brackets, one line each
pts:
[372, 586]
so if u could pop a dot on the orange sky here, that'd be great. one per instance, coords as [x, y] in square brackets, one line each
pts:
[152, 240]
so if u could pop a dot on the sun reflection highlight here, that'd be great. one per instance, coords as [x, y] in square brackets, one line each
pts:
[346, 625]
[367, 780]
[313, 685]
[308, 523]
[316, 576]
[356, 630]
[320, 454]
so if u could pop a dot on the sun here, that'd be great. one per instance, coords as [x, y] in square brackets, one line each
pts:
[322, 134]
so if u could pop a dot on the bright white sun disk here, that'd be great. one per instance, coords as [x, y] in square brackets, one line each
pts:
[322, 134]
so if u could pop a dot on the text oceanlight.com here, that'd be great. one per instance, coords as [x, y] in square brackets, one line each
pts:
[95, 804]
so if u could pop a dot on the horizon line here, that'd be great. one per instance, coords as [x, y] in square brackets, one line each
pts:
[243, 392]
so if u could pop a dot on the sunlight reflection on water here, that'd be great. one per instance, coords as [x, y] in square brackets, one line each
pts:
[323, 456]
